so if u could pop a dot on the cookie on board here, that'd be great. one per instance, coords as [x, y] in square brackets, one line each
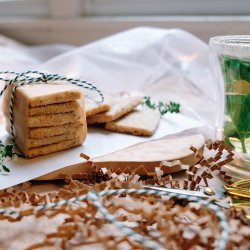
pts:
[138, 122]
[93, 108]
[119, 108]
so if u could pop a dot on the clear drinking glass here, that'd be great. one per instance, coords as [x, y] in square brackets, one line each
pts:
[231, 68]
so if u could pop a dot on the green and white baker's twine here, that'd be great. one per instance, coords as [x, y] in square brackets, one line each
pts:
[148, 243]
[36, 77]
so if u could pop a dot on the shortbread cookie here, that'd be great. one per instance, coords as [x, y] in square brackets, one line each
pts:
[139, 122]
[54, 108]
[73, 135]
[93, 108]
[44, 94]
[118, 109]
[44, 150]
[39, 133]
[54, 120]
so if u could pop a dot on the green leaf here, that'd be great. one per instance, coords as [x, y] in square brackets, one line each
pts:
[234, 69]
[238, 107]
[243, 123]
[245, 71]
[5, 168]
[8, 150]
[163, 108]
[230, 68]
[228, 141]
[230, 130]
[149, 103]
[5, 151]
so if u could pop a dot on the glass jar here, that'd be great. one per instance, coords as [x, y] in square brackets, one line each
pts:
[231, 69]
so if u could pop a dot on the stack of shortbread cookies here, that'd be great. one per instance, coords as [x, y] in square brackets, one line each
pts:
[52, 117]
[121, 115]
[47, 118]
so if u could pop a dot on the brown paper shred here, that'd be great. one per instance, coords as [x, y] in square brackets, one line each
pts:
[141, 170]
[207, 166]
[209, 144]
[198, 180]
[174, 226]
[118, 171]
[204, 163]
[190, 175]
[192, 185]
[185, 184]
[159, 174]
[103, 171]
[170, 164]
[193, 149]
[84, 156]
[26, 185]
[175, 184]
[170, 224]
[90, 163]
[214, 167]
[80, 176]
[128, 170]
[135, 178]
[194, 169]
[216, 144]
[218, 156]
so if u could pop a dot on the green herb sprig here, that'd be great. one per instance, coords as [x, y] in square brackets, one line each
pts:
[5, 152]
[163, 108]
[236, 75]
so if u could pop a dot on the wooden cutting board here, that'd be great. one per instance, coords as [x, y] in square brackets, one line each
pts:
[149, 154]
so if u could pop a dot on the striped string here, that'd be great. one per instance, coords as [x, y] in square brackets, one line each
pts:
[36, 77]
[149, 244]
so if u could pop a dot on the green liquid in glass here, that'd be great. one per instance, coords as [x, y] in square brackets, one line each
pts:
[236, 75]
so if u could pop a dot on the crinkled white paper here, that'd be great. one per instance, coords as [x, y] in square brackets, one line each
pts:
[164, 64]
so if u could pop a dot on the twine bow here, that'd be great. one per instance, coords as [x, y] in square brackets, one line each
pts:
[36, 77]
